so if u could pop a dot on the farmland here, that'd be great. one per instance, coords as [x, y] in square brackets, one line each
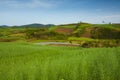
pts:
[90, 52]
[85, 34]
[59, 39]
[27, 61]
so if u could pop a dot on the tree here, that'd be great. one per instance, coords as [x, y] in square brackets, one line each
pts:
[103, 22]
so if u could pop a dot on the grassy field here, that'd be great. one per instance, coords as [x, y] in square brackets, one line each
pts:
[24, 61]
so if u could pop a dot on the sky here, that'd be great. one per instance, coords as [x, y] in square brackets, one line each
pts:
[21, 12]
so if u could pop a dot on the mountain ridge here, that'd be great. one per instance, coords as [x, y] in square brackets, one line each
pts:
[30, 25]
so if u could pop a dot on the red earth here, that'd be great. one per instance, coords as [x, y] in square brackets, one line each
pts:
[64, 30]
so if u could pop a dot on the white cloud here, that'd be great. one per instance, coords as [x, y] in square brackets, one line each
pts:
[37, 3]
[20, 4]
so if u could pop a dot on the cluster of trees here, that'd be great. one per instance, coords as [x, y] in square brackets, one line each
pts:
[43, 33]
[105, 33]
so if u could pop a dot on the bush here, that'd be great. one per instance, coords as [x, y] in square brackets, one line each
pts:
[87, 42]
[8, 39]
[43, 34]
[105, 33]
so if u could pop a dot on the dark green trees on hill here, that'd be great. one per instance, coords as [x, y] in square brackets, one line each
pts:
[105, 33]
[43, 33]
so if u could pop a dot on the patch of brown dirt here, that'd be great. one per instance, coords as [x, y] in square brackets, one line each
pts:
[64, 30]
[87, 33]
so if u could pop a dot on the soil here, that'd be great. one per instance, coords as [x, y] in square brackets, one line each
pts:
[64, 30]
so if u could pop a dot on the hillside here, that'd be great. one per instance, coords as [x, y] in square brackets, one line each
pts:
[100, 31]
[60, 32]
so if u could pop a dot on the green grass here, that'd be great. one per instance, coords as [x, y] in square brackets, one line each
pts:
[24, 61]
[80, 39]
[112, 26]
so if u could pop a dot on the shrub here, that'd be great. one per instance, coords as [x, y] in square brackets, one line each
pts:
[8, 39]
[105, 33]
[87, 42]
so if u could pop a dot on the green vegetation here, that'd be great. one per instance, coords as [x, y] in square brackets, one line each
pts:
[108, 25]
[29, 61]
[80, 39]
[12, 34]
[88, 42]
[103, 32]
[43, 33]
[25, 61]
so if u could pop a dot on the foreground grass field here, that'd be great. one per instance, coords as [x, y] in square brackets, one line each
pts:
[23, 61]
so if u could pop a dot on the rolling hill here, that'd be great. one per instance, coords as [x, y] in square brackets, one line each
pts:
[34, 25]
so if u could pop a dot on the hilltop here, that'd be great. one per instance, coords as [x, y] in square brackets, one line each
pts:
[100, 31]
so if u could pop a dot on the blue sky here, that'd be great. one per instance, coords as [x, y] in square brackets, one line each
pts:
[19, 12]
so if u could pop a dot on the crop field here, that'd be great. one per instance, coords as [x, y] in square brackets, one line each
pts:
[27, 61]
